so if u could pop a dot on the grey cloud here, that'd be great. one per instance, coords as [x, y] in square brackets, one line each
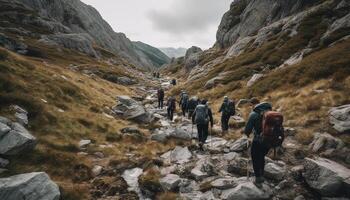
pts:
[189, 16]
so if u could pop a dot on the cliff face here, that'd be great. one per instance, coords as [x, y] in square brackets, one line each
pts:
[79, 18]
[246, 17]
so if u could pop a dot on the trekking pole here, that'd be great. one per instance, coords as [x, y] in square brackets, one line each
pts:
[248, 160]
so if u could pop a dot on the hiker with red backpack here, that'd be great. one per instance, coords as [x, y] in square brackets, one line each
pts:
[171, 106]
[268, 133]
[227, 110]
[201, 116]
[160, 95]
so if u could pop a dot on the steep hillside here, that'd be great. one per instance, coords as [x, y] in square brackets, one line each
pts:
[295, 57]
[157, 57]
[70, 21]
[174, 52]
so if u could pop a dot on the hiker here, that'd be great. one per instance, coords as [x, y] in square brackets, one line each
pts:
[158, 75]
[173, 82]
[160, 95]
[154, 74]
[191, 106]
[201, 117]
[184, 102]
[227, 110]
[268, 133]
[171, 106]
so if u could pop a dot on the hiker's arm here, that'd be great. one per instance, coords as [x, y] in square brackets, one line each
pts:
[194, 115]
[250, 124]
[221, 107]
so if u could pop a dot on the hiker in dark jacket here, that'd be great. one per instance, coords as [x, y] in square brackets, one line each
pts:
[184, 102]
[171, 106]
[160, 95]
[202, 115]
[258, 150]
[191, 106]
[227, 110]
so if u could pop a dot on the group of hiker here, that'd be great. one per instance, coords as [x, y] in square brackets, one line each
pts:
[266, 125]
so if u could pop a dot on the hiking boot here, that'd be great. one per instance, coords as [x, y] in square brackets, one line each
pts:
[201, 147]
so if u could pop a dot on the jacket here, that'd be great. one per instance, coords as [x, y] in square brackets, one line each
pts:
[255, 119]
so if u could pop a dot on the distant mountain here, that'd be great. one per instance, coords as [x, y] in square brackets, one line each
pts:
[156, 57]
[174, 52]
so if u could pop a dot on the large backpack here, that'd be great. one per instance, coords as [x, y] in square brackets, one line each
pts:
[202, 116]
[229, 108]
[272, 129]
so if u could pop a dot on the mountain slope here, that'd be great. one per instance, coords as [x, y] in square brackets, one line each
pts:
[157, 57]
[73, 16]
[174, 52]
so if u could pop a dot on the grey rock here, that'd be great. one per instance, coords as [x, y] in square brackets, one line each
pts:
[17, 141]
[254, 79]
[84, 143]
[132, 110]
[338, 25]
[238, 145]
[237, 48]
[4, 129]
[325, 141]
[96, 170]
[126, 81]
[192, 57]
[160, 136]
[339, 117]
[204, 168]
[275, 171]
[31, 186]
[215, 144]
[179, 155]
[327, 177]
[22, 118]
[247, 190]
[3, 162]
[5, 121]
[224, 183]
[170, 182]
[11, 44]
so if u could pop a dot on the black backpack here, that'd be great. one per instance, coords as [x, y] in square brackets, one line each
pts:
[202, 116]
[229, 108]
[184, 99]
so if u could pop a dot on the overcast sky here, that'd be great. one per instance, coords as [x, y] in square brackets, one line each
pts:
[165, 23]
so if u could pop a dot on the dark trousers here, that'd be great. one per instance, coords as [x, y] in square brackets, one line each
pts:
[170, 114]
[202, 130]
[190, 113]
[183, 110]
[258, 152]
[160, 103]
[224, 122]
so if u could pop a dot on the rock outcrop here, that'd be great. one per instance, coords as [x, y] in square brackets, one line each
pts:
[339, 117]
[192, 57]
[32, 186]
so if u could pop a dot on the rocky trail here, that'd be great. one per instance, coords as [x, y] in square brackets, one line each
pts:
[220, 172]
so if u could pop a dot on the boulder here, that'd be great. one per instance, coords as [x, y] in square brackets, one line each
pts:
[237, 122]
[238, 166]
[17, 140]
[159, 136]
[132, 110]
[224, 183]
[31, 186]
[96, 170]
[339, 117]
[238, 145]
[215, 144]
[327, 177]
[126, 81]
[192, 57]
[4, 129]
[254, 79]
[170, 182]
[4, 120]
[84, 143]
[204, 168]
[179, 155]
[247, 190]
[237, 48]
[22, 118]
[275, 171]
[325, 141]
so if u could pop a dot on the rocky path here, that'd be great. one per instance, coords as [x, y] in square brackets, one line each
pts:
[221, 171]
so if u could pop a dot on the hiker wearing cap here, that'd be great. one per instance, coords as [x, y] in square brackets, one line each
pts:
[227, 110]
[202, 115]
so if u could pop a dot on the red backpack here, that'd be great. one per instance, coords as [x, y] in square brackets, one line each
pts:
[272, 129]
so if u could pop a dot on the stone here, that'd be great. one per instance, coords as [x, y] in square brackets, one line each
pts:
[327, 177]
[126, 81]
[132, 110]
[170, 182]
[160, 136]
[131, 130]
[237, 48]
[247, 190]
[275, 171]
[254, 79]
[179, 155]
[290, 131]
[204, 168]
[3, 162]
[239, 145]
[31, 186]
[131, 176]
[84, 143]
[188, 186]
[5, 121]
[238, 122]
[22, 118]
[16, 141]
[215, 144]
[224, 183]
[238, 166]
[297, 172]
[4, 129]
[325, 141]
[96, 170]
[339, 117]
